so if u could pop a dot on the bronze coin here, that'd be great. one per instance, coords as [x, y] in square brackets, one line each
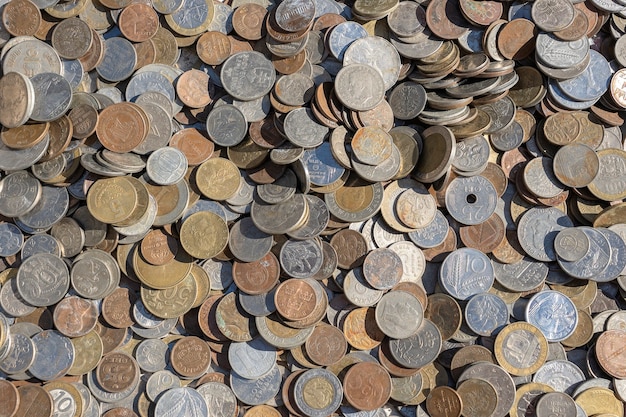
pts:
[120, 412]
[248, 21]
[75, 316]
[111, 337]
[481, 13]
[158, 247]
[509, 251]
[138, 22]
[196, 147]
[444, 402]
[445, 313]
[257, 277]
[444, 19]
[95, 54]
[207, 321]
[191, 357]
[468, 355]
[361, 329]
[84, 120]
[192, 87]
[265, 134]
[9, 399]
[146, 53]
[351, 248]
[121, 127]
[326, 345]
[485, 236]
[34, 401]
[295, 299]
[21, 18]
[117, 308]
[213, 48]
[610, 352]
[287, 393]
[117, 371]
[367, 386]
[291, 64]
[516, 39]
[25, 136]
[233, 321]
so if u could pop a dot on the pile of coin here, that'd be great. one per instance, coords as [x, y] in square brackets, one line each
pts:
[312, 208]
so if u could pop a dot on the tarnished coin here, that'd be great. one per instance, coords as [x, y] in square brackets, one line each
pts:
[571, 244]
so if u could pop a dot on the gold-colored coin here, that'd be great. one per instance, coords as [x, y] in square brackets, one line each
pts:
[7, 275]
[143, 202]
[112, 200]
[191, 31]
[162, 276]
[247, 154]
[65, 10]
[509, 360]
[481, 123]
[25, 136]
[599, 401]
[171, 302]
[583, 331]
[262, 411]
[129, 347]
[203, 284]
[218, 179]
[204, 235]
[526, 394]
[71, 390]
[88, 350]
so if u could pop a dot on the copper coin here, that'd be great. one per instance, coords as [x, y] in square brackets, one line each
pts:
[485, 236]
[265, 134]
[496, 176]
[191, 357]
[295, 299]
[146, 53]
[120, 412]
[21, 18]
[34, 401]
[516, 39]
[138, 22]
[207, 321]
[9, 399]
[117, 371]
[111, 337]
[326, 345]
[577, 29]
[75, 316]
[267, 173]
[444, 19]
[351, 248]
[121, 127]
[71, 38]
[291, 64]
[257, 277]
[117, 308]
[367, 386]
[248, 21]
[610, 352]
[361, 329]
[158, 248]
[444, 402]
[193, 87]
[481, 13]
[468, 355]
[509, 251]
[196, 147]
[95, 54]
[25, 136]
[213, 48]
[445, 313]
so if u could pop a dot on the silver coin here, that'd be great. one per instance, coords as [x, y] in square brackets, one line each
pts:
[95, 231]
[552, 15]
[152, 355]
[119, 60]
[314, 408]
[571, 244]
[282, 342]
[358, 291]
[486, 314]
[404, 389]
[301, 258]
[378, 173]
[378, 53]
[501, 381]
[70, 234]
[408, 19]
[279, 218]
[563, 100]
[182, 402]
[226, 125]
[413, 261]
[112, 267]
[220, 399]
[508, 138]
[521, 276]
[159, 134]
[64, 404]
[51, 208]
[166, 166]
[502, 114]
[466, 272]
[471, 154]
[294, 89]
[11, 239]
[537, 230]
[418, 350]
[12, 302]
[303, 129]
[342, 35]
[407, 100]
[72, 72]
[160, 382]
[553, 313]
[143, 317]
[43, 280]
[256, 391]
[595, 260]
[222, 19]
[556, 53]
[259, 305]
[21, 355]
[280, 190]
[417, 46]
[432, 235]
[323, 167]
[471, 200]
[247, 242]
[563, 376]
[30, 58]
[253, 359]
[248, 75]
[161, 330]
[591, 83]
[392, 312]
[19, 192]
[319, 217]
[359, 87]
[18, 159]
[51, 344]
[220, 273]
[617, 262]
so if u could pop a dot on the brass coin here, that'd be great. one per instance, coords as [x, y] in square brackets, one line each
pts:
[218, 179]
[204, 235]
